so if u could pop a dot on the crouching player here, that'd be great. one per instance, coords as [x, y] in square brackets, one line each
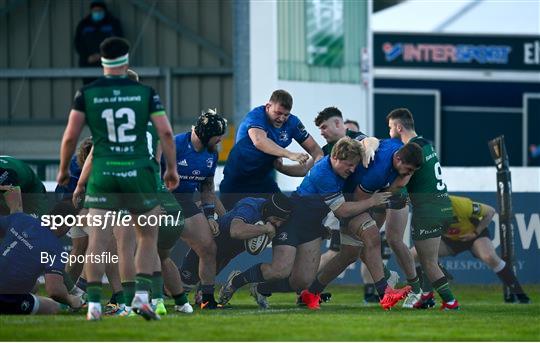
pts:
[296, 246]
[239, 225]
[29, 250]
[470, 233]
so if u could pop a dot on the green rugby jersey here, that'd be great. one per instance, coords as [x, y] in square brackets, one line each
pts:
[15, 172]
[327, 149]
[426, 188]
[117, 112]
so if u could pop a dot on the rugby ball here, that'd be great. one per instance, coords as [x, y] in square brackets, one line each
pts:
[256, 245]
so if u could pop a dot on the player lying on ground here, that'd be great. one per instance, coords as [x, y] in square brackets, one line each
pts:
[26, 242]
[236, 227]
[296, 247]
[471, 233]
[392, 167]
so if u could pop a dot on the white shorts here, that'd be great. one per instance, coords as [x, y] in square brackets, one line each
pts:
[77, 232]
[348, 240]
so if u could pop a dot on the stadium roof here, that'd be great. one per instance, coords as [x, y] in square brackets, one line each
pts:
[512, 17]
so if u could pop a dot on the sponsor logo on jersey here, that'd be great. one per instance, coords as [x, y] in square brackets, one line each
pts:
[183, 163]
[3, 177]
[196, 172]
[116, 92]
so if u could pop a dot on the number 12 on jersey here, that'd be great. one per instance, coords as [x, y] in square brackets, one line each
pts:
[118, 134]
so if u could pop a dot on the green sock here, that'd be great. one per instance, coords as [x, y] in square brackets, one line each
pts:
[442, 287]
[157, 286]
[415, 285]
[68, 282]
[180, 299]
[386, 272]
[129, 291]
[94, 292]
[143, 282]
[117, 298]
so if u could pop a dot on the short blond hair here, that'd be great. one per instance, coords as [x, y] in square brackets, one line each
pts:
[348, 149]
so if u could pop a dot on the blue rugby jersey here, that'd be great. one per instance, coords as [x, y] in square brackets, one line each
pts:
[321, 188]
[247, 164]
[21, 251]
[380, 172]
[193, 167]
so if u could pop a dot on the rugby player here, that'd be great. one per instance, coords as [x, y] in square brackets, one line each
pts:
[117, 110]
[196, 153]
[431, 208]
[330, 123]
[261, 140]
[238, 225]
[391, 169]
[20, 188]
[25, 243]
[471, 233]
[296, 247]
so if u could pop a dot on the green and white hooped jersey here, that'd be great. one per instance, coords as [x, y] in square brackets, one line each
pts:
[118, 110]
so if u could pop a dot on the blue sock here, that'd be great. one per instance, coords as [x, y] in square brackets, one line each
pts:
[252, 275]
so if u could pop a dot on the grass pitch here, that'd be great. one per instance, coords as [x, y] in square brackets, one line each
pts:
[483, 316]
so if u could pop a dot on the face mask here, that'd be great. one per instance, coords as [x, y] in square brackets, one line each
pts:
[98, 15]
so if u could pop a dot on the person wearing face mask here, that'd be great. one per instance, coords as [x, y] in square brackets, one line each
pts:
[93, 29]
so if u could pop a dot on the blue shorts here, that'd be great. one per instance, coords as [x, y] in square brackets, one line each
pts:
[18, 303]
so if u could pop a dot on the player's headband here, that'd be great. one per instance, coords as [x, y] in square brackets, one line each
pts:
[115, 62]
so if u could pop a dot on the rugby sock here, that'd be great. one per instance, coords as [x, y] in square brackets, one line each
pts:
[424, 281]
[507, 276]
[143, 283]
[157, 285]
[316, 287]
[380, 286]
[117, 298]
[415, 284]
[278, 286]
[94, 292]
[68, 282]
[369, 290]
[129, 291]
[81, 283]
[386, 272]
[252, 275]
[180, 299]
[442, 287]
[208, 293]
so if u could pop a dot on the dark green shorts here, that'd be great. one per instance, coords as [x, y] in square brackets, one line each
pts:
[126, 184]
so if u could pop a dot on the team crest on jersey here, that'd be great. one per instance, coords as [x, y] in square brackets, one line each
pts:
[209, 162]
[284, 136]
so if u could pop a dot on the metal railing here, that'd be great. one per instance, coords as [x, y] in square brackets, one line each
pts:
[165, 73]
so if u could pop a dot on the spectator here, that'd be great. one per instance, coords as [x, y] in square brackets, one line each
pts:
[91, 31]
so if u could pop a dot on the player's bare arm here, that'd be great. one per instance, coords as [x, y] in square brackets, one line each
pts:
[163, 127]
[69, 143]
[13, 197]
[263, 143]
[361, 204]
[243, 230]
